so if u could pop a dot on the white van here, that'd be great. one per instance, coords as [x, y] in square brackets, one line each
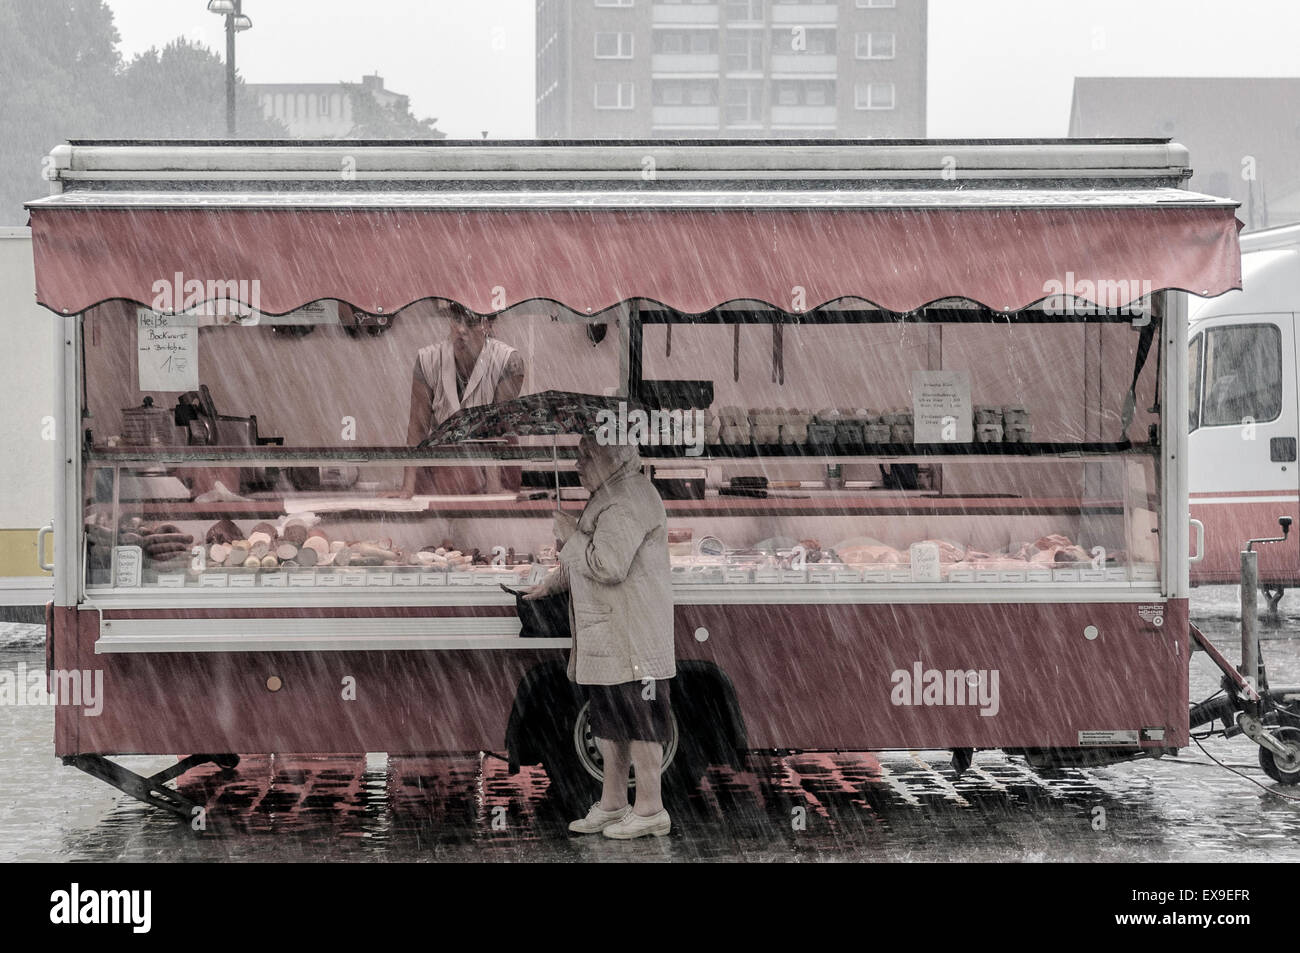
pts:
[27, 470]
[1244, 415]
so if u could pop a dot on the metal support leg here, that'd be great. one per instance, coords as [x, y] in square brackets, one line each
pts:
[150, 790]
[1273, 595]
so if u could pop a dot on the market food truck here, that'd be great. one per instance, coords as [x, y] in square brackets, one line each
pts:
[1244, 415]
[923, 493]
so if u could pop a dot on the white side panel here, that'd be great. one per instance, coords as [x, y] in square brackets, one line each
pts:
[27, 483]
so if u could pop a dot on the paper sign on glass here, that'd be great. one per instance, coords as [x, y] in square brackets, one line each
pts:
[127, 563]
[941, 408]
[167, 351]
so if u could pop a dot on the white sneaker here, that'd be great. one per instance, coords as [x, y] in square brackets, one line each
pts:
[597, 820]
[634, 825]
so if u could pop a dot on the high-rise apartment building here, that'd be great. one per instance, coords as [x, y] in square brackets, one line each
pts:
[743, 68]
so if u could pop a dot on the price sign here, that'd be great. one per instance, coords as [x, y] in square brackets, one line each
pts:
[941, 408]
[167, 351]
[925, 562]
[127, 562]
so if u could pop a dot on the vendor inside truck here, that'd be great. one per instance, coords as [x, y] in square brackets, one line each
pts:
[468, 369]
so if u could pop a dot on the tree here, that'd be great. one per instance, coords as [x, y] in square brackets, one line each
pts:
[58, 63]
[180, 93]
[372, 119]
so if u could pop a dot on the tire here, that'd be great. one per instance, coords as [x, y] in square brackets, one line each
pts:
[550, 730]
[1283, 772]
[574, 765]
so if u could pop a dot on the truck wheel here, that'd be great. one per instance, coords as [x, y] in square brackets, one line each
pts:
[1283, 770]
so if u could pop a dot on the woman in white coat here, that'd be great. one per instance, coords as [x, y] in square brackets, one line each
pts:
[614, 562]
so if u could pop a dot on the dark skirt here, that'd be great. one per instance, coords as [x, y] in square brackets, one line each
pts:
[621, 713]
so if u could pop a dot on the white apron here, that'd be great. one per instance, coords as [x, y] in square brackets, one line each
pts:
[437, 363]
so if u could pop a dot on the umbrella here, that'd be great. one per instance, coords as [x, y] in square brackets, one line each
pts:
[550, 412]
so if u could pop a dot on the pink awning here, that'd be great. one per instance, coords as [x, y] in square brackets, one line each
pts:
[380, 259]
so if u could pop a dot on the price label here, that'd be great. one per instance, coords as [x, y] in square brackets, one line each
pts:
[351, 578]
[275, 580]
[925, 562]
[172, 580]
[243, 580]
[127, 563]
[379, 579]
[302, 579]
[214, 580]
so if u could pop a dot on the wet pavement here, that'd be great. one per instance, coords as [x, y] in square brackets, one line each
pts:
[847, 806]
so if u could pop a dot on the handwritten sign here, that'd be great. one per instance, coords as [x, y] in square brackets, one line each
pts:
[941, 408]
[167, 351]
[925, 562]
[127, 563]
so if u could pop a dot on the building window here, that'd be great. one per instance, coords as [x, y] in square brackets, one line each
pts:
[702, 94]
[614, 3]
[874, 46]
[873, 96]
[686, 41]
[799, 39]
[323, 106]
[745, 52]
[669, 93]
[875, 4]
[820, 92]
[685, 93]
[614, 95]
[613, 46]
[744, 104]
[667, 41]
[745, 11]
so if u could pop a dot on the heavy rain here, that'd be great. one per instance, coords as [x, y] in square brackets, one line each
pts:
[621, 431]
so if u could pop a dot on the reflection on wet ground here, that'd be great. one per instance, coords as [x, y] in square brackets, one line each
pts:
[845, 806]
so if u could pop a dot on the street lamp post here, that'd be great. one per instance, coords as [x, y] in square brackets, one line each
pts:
[236, 22]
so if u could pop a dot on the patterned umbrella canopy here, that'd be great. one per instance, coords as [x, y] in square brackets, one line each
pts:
[547, 413]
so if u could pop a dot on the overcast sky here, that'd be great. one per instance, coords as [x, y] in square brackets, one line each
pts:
[996, 67]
